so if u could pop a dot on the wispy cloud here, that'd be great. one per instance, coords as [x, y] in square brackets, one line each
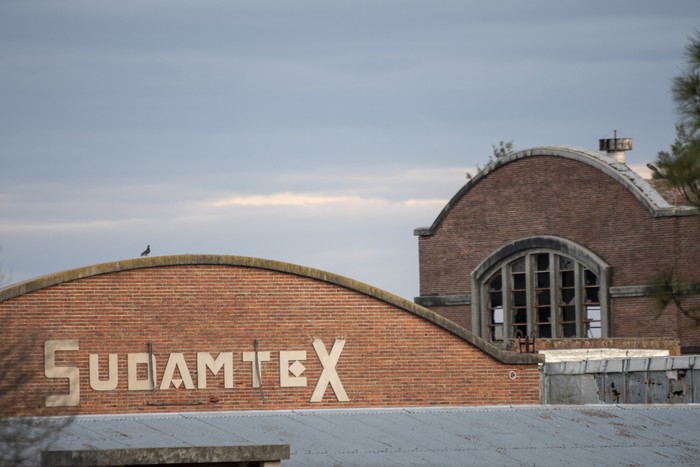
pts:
[294, 199]
[318, 199]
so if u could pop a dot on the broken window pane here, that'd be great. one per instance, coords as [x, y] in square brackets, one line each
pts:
[569, 330]
[497, 334]
[518, 265]
[567, 279]
[497, 315]
[565, 264]
[543, 298]
[593, 321]
[519, 282]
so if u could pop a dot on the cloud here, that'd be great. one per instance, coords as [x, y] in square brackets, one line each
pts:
[425, 202]
[69, 225]
[319, 199]
[295, 199]
[59, 207]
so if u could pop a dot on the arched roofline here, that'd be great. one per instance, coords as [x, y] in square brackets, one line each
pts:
[654, 203]
[43, 282]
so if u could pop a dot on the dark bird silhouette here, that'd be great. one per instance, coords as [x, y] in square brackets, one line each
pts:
[146, 251]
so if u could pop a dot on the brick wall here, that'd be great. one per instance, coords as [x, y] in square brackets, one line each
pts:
[638, 317]
[392, 356]
[570, 199]
[460, 314]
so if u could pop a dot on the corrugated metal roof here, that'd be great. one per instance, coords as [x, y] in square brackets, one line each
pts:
[533, 435]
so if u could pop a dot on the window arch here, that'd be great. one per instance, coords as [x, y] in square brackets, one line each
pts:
[543, 286]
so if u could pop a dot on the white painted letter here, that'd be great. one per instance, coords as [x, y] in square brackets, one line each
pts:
[329, 375]
[296, 368]
[262, 357]
[113, 377]
[176, 361]
[205, 360]
[52, 371]
[133, 361]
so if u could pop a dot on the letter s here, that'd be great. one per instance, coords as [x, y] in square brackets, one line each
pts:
[70, 372]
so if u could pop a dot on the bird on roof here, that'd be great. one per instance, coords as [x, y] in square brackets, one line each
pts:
[146, 251]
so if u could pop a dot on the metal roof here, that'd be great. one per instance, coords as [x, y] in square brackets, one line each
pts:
[603, 435]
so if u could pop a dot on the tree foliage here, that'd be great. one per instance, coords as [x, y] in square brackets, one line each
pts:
[670, 289]
[686, 87]
[504, 148]
[680, 168]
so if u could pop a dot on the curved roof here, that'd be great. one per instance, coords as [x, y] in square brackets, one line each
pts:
[655, 204]
[43, 282]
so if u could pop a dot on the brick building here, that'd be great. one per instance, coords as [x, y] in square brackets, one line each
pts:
[559, 243]
[80, 342]
[197, 338]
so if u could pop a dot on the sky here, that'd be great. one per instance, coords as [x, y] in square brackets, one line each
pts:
[320, 133]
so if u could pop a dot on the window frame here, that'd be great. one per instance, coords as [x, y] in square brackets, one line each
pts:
[500, 262]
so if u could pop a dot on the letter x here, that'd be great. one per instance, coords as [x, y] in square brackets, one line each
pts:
[329, 375]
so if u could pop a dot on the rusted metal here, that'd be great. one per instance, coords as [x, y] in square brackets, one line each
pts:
[653, 380]
[525, 344]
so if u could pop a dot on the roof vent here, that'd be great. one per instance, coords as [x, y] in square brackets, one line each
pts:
[615, 147]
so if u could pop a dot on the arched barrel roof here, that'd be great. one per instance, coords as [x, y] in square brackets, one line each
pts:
[654, 203]
[43, 282]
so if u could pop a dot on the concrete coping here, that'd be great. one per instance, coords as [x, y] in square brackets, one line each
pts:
[43, 282]
[261, 454]
[575, 355]
[621, 365]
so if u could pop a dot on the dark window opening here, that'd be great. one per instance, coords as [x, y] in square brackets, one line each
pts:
[546, 294]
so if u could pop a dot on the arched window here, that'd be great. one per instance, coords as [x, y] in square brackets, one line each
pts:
[542, 286]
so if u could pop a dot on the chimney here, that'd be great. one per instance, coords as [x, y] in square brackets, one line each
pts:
[615, 147]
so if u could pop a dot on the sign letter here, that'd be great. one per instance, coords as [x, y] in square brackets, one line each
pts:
[262, 357]
[52, 371]
[112, 380]
[295, 368]
[176, 361]
[133, 361]
[329, 375]
[205, 360]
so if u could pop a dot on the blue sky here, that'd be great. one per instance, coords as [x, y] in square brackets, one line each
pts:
[314, 132]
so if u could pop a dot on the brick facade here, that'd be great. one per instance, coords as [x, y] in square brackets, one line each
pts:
[574, 195]
[396, 353]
